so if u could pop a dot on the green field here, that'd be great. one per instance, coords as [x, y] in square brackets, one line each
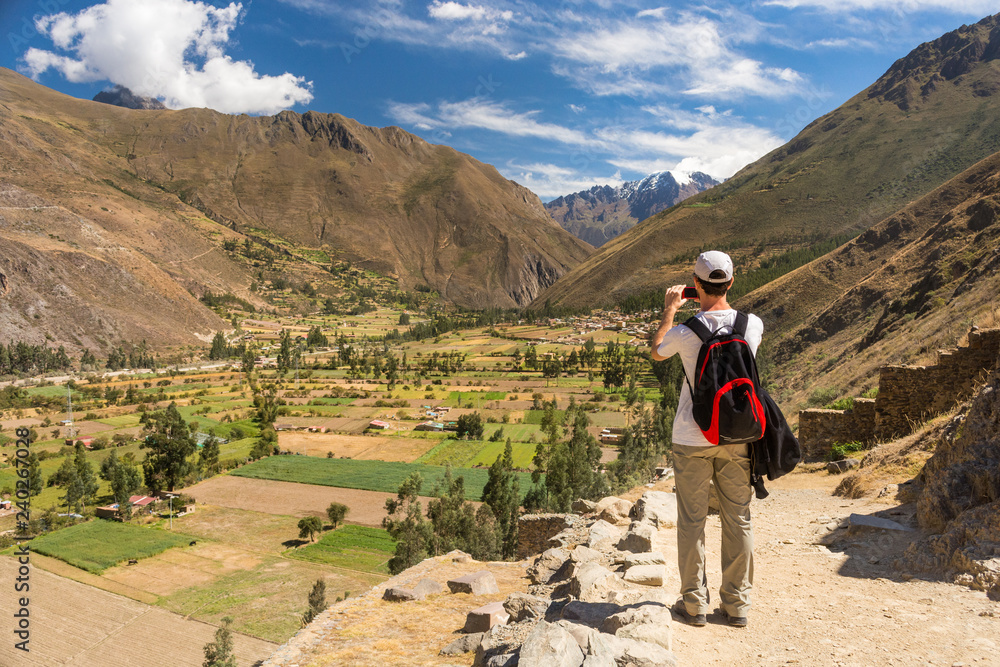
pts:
[350, 546]
[368, 475]
[98, 544]
[523, 453]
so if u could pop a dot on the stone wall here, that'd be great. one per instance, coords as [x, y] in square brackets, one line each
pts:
[535, 530]
[907, 395]
[820, 429]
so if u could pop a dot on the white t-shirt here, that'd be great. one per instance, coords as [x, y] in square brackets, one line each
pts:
[681, 340]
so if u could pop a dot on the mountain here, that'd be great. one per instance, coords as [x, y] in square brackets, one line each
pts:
[118, 220]
[603, 212]
[933, 114]
[120, 96]
[908, 286]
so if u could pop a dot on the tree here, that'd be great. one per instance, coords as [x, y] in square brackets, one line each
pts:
[316, 338]
[209, 457]
[470, 425]
[502, 495]
[405, 523]
[35, 480]
[614, 365]
[66, 478]
[248, 359]
[125, 479]
[404, 319]
[531, 357]
[317, 602]
[456, 524]
[572, 467]
[309, 526]
[336, 513]
[170, 444]
[219, 653]
[220, 349]
[285, 351]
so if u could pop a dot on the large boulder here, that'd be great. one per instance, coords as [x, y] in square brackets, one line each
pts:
[583, 506]
[522, 606]
[603, 536]
[591, 614]
[613, 510]
[477, 583]
[648, 623]
[657, 508]
[464, 644]
[646, 575]
[485, 617]
[549, 645]
[592, 582]
[400, 595]
[633, 652]
[427, 587]
[650, 558]
[639, 538]
[550, 566]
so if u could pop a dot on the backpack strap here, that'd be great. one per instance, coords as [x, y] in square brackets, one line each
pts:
[742, 321]
[699, 328]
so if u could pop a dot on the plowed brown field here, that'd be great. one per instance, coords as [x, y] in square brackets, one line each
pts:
[75, 624]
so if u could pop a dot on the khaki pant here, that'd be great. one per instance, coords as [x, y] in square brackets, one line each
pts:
[729, 466]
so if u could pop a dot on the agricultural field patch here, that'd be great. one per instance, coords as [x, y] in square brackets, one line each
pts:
[522, 452]
[98, 544]
[368, 475]
[289, 499]
[95, 628]
[177, 569]
[369, 447]
[350, 546]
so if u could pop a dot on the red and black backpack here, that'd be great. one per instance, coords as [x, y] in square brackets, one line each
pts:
[725, 390]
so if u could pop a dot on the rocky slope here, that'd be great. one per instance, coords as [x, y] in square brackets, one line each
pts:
[959, 498]
[910, 285]
[117, 216]
[603, 212]
[933, 114]
[120, 96]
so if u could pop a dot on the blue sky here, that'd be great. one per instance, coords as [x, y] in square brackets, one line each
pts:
[557, 95]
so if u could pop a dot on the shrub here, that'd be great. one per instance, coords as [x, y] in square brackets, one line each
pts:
[823, 396]
[840, 450]
[846, 403]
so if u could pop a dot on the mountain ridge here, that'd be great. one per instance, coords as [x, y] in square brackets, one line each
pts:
[603, 212]
[841, 174]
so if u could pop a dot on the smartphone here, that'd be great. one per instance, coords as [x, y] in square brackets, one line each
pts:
[690, 293]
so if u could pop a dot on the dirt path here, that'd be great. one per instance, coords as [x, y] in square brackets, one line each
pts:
[842, 604]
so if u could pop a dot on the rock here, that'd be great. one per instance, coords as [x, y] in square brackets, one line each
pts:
[582, 554]
[655, 614]
[464, 644]
[580, 632]
[649, 558]
[564, 538]
[427, 587]
[843, 465]
[603, 536]
[657, 508]
[639, 538]
[641, 595]
[549, 645]
[647, 623]
[549, 566]
[591, 614]
[614, 512]
[857, 522]
[501, 660]
[522, 606]
[485, 617]
[458, 556]
[646, 575]
[592, 582]
[632, 652]
[400, 595]
[583, 506]
[477, 583]
[889, 491]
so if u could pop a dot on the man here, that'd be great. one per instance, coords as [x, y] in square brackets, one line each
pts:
[697, 461]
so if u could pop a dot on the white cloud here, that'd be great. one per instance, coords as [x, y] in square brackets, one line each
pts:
[456, 11]
[486, 115]
[976, 7]
[691, 54]
[841, 43]
[549, 181]
[172, 49]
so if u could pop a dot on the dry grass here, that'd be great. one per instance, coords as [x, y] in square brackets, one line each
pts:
[893, 462]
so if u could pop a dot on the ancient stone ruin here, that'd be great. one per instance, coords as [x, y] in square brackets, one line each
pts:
[907, 395]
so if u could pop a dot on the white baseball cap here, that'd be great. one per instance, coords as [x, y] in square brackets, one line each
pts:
[714, 267]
